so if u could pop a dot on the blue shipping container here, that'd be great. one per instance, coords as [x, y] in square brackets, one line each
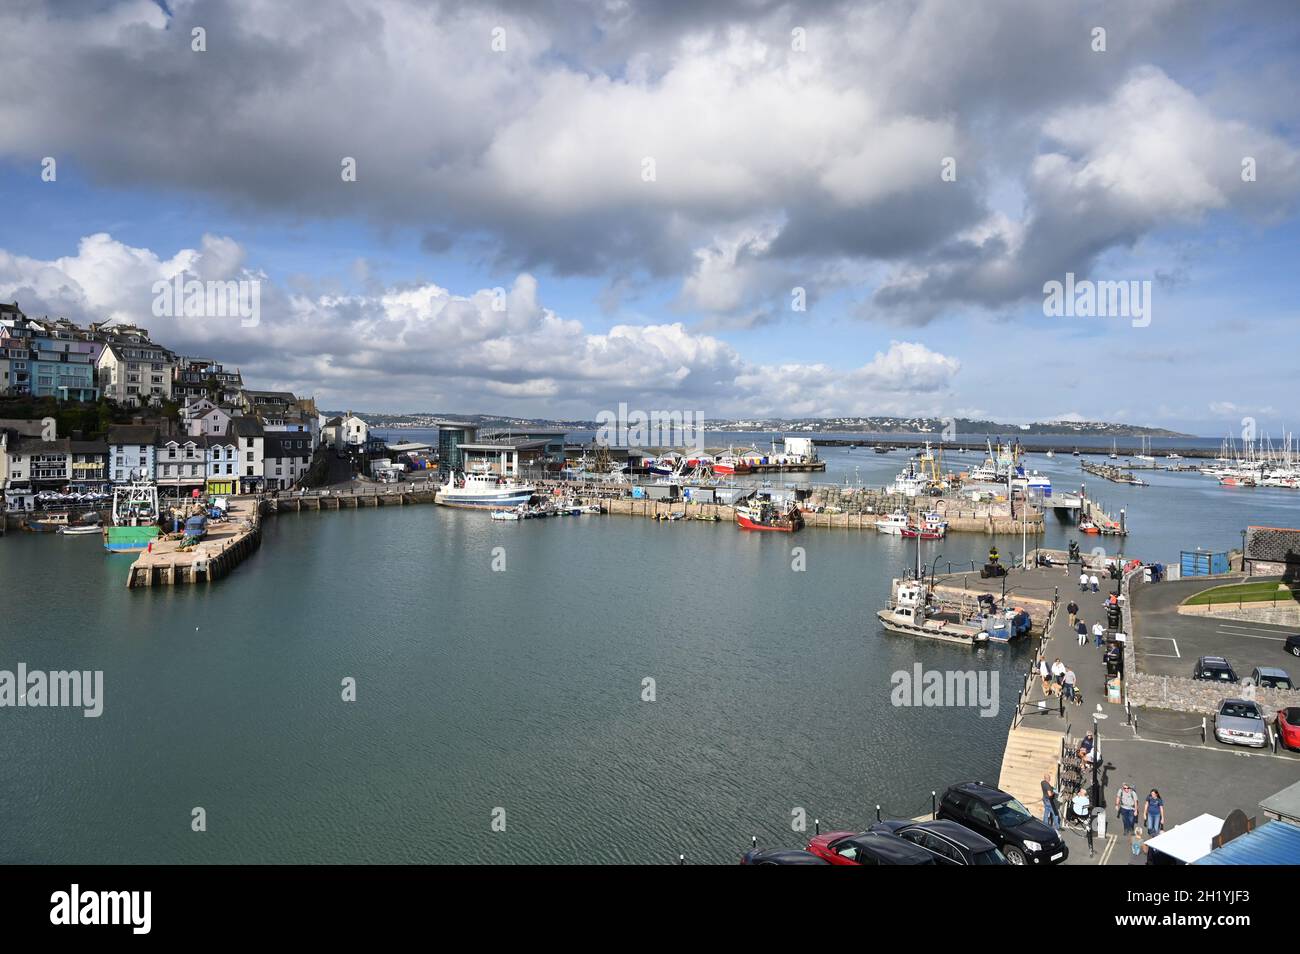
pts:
[1203, 563]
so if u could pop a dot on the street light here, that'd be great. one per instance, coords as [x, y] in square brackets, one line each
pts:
[934, 565]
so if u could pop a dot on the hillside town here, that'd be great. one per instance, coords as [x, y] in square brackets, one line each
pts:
[187, 423]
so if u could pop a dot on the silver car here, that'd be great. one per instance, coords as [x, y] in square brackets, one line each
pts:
[1239, 722]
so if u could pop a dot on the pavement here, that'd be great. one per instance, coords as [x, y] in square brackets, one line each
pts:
[1170, 643]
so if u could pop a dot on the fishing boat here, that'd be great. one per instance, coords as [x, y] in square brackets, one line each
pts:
[48, 523]
[910, 483]
[765, 515]
[894, 524]
[135, 518]
[931, 527]
[480, 491]
[913, 611]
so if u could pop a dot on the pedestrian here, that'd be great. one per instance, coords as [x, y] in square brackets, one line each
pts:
[1099, 633]
[1126, 802]
[1050, 815]
[1083, 581]
[1092, 581]
[1153, 813]
[1082, 629]
[1073, 609]
[1046, 675]
[1067, 683]
[1058, 671]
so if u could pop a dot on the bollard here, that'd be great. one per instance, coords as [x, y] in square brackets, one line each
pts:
[877, 813]
[817, 826]
[934, 805]
[681, 859]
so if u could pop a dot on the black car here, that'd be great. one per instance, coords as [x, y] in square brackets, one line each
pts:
[868, 848]
[1293, 644]
[949, 842]
[781, 856]
[1215, 669]
[1005, 822]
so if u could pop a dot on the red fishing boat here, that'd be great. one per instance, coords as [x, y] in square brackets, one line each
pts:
[766, 516]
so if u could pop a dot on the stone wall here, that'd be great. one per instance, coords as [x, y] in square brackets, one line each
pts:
[1185, 694]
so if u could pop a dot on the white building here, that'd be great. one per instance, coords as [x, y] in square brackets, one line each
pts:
[136, 373]
[131, 450]
[250, 440]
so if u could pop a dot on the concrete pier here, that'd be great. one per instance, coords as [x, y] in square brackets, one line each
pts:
[223, 548]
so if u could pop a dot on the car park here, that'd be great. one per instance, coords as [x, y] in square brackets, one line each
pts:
[1239, 722]
[1215, 669]
[1270, 677]
[1001, 819]
[868, 848]
[949, 842]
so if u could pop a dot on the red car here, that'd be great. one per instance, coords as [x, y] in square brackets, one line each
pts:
[1288, 727]
[868, 848]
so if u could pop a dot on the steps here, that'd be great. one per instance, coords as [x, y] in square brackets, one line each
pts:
[1029, 753]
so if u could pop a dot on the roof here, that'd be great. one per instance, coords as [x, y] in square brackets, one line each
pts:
[1273, 544]
[1273, 843]
[1190, 841]
[895, 849]
[518, 443]
[246, 427]
[133, 434]
[406, 447]
[1285, 802]
[89, 447]
[953, 831]
[334, 422]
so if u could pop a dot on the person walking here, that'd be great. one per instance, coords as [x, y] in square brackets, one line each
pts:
[1092, 581]
[1082, 629]
[1153, 813]
[1058, 672]
[1099, 633]
[1046, 674]
[1050, 815]
[1068, 682]
[1073, 609]
[1126, 803]
[1083, 581]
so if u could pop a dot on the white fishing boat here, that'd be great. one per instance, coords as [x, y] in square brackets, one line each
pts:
[484, 491]
[912, 611]
[894, 524]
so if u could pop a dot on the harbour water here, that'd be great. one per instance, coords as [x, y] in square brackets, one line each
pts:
[521, 688]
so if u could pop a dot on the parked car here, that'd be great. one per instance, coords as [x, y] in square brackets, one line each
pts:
[781, 856]
[1270, 677]
[868, 848]
[949, 842]
[1239, 722]
[1293, 644]
[1214, 668]
[1001, 819]
[1288, 727]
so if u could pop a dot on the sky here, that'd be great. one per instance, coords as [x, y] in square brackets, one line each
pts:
[739, 209]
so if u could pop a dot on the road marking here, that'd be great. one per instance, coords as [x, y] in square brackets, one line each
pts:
[1249, 635]
[1176, 655]
[1105, 852]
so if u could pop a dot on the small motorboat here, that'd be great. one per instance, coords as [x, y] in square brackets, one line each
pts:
[81, 530]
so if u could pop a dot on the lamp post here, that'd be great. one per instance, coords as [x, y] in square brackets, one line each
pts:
[934, 566]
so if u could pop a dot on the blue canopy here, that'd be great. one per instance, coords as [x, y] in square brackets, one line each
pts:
[1273, 843]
